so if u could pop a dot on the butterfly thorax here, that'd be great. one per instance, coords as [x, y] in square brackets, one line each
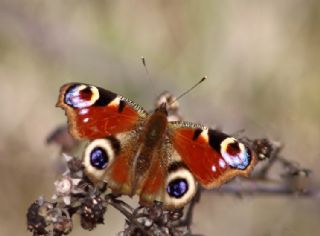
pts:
[150, 139]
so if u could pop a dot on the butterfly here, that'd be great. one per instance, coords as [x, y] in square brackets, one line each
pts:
[144, 154]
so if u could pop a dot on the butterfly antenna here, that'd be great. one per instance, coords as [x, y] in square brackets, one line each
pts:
[148, 74]
[189, 90]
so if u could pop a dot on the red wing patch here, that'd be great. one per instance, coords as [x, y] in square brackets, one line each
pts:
[202, 150]
[118, 175]
[96, 113]
[154, 184]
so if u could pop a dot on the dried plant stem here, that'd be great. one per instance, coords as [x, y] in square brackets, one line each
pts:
[265, 187]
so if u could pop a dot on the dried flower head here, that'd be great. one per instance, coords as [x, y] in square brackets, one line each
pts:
[92, 212]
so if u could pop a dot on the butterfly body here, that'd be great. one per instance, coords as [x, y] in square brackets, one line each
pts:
[144, 154]
[149, 142]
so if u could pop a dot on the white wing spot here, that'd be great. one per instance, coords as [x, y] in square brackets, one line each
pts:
[213, 168]
[85, 120]
[222, 163]
[83, 111]
[115, 102]
[204, 134]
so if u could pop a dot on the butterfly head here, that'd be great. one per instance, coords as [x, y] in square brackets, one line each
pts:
[172, 105]
[162, 108]
[167, 97]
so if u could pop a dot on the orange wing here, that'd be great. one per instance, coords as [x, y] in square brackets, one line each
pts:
[151, 189]
[96, 113]
[111, 159]
[168, 180]
[212, 157]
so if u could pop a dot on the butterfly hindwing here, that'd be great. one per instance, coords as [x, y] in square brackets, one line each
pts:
[94, 112]
[212, 156]
[151, 188]
[111, 159]
[168, 181]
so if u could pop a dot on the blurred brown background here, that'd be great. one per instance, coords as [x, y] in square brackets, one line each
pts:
[263, 68]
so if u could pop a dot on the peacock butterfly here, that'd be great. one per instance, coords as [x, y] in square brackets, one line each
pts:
[145, 154]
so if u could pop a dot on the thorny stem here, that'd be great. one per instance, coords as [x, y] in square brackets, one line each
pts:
[118, 204]
[265, 187]
[113, 199]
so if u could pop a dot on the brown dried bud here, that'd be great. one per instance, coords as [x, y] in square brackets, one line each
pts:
[92, 212]
[263, 148]
[36, 223]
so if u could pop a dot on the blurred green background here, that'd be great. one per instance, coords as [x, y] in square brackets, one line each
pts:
[262, 59]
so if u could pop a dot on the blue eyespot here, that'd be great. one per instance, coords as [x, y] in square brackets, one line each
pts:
[177, 188]
[99, 158]
[79, 96]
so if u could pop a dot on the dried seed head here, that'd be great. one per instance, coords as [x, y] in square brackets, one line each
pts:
[74, 164]
[62, 226]
[156, 211]
[263, 148]
[63, 186]
[175, 214]
[92, 212]
[36, 223]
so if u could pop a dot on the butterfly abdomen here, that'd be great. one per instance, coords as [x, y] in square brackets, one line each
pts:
[151, 139]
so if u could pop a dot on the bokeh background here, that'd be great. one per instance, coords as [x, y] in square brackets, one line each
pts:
[262, 59]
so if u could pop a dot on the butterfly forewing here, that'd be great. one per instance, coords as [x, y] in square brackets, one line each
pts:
[212, 156]
[115, 165]
[94, 112]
